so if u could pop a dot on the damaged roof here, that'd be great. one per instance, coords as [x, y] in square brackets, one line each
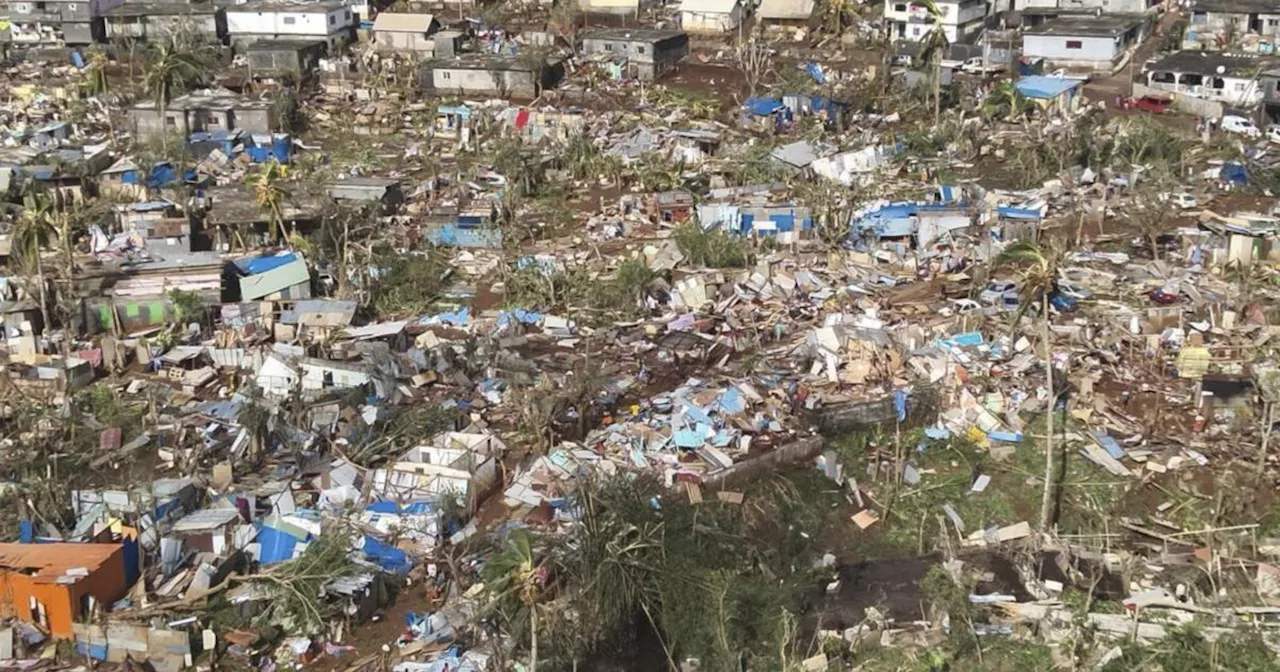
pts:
[50, 563]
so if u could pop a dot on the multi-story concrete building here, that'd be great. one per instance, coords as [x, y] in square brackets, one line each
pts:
[960, 19]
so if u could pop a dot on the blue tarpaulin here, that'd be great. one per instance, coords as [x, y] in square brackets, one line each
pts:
[276, 546]
[457, 318]
[900, 404]
[762, 107]
[162, 175]
[1234, 173]
[387, 557]
[520, 315]
[815, 71]
[1011, 212]
[258, 265]
[1109, 444]
[463, 235]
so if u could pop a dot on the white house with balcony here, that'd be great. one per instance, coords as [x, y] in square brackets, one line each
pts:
[332, 22]
[1230, 79]
[910, 22]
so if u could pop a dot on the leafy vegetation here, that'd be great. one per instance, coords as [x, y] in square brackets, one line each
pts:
[715, 581]
[712, 249]
[1188, 650]
[409, 283]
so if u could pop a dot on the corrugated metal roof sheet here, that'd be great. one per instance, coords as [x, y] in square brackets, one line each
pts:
[205, 520]
[324, 314]
[257, 286]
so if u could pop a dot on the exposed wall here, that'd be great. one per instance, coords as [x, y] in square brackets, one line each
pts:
[61, 601]
[711, 23]
[1062, 49]
[142, 27]
[1188, 104]
[503, 82]
[313, 377]
[402, 41]
[285, 23]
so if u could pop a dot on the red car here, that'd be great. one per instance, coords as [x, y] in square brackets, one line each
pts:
[1152, 104]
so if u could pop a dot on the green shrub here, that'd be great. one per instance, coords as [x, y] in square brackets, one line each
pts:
[712, 249]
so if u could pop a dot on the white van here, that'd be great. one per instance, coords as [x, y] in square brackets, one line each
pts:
[1234, 124]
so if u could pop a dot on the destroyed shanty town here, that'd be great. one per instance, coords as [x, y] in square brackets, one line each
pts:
[609, 335]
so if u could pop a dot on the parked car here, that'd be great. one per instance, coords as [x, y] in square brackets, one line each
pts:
[978, 66]
[1161, 297]
[1181, 200]
[1072, 290]
[1002, 294]
[1152, 104]
[1239, 125]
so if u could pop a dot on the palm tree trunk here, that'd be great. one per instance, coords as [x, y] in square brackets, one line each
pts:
[164, 131]
[44, 299]
[937, 87]
[533, 638]
[1268, 415]
[1046, 504]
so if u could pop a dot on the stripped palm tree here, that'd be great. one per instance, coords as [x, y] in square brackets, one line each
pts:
[515, 580]
[32, 232]
[96, 69]
[100, 85]
[932, 48]
[1037, 271]
[172, 69]
[270, 196]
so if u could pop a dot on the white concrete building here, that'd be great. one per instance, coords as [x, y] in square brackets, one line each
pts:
[910, 22]
[1092, 44]
[710, 17]
[1230, 79]
[332, 22]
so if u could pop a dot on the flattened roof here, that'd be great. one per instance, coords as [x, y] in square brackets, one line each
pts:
[404, 23]
[46, 563]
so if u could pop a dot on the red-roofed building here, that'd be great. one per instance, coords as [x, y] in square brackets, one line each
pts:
[56, 585]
